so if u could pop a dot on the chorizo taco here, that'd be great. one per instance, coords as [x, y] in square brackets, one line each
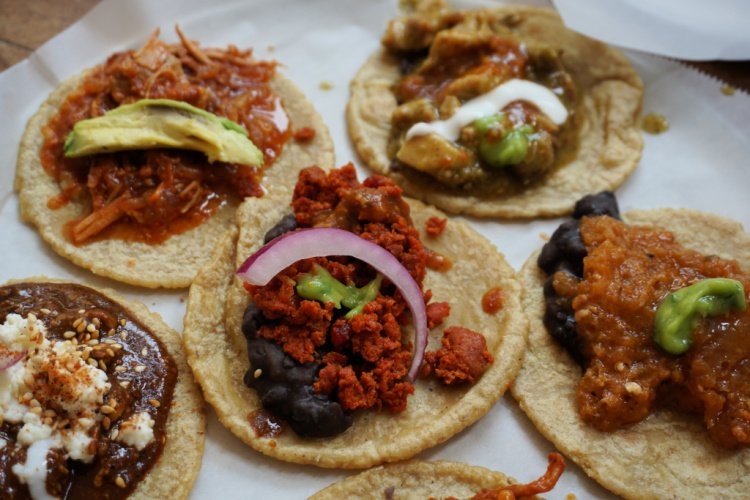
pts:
[358, 351]
[499, 112]
[133, 168]
[96, 397]
[638, 350]
[450, 480]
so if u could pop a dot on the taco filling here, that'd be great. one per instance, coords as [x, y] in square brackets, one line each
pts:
[325, 335]
[152, 193]
[480, 107]
[85, 392]
[653, 325]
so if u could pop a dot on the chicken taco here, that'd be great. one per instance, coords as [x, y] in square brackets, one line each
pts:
[447, 480]
[638, 349]
[356, 348]
[500, 112]
[133, 168]
[96, 397]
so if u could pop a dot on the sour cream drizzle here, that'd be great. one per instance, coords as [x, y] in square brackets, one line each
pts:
[490, 103]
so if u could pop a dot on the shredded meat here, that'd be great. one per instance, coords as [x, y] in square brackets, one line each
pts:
[150, 195]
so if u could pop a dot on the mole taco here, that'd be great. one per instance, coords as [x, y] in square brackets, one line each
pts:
[638, 356]
[311, 352]
[96, 397]
[499, 112]
[133, 168]
[441, 479]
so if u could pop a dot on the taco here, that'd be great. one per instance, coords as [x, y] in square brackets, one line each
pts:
[146, 215]
[422, 480]
[336, 386]
[622, 373]
[500, 112]
[96, 398]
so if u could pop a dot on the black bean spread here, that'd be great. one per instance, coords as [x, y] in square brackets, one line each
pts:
[565, 252]
[139, 371]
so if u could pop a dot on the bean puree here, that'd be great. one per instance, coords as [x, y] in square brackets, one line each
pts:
[626, 273]
[142, 375]
[312, 366]
[150, 195]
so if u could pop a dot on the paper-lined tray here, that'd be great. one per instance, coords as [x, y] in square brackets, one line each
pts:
[700, 162]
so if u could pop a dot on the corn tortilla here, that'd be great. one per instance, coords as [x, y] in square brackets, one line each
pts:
[610, 141]
[174, 473]
[668, 455]
[174, 263]
[217, 350]
[416, 480]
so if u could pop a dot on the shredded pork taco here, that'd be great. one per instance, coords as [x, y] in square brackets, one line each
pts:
[445, 480]
[638, 349]
[365, 353]
[499, 112]
[96, 398]
[133, 168]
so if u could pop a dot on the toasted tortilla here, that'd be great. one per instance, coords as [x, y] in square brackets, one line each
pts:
[417, 480]
[668, 455]
[172, 476]
[174, 263]
[217, 350]
[610, 141]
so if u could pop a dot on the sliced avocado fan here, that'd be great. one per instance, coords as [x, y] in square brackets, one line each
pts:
[163, 123]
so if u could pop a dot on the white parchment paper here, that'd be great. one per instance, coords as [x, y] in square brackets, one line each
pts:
[701, 162]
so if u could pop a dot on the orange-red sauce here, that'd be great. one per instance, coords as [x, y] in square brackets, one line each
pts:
[492, 300]
[151, 195]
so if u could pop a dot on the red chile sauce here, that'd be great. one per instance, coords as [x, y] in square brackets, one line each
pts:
[151, 195]
[492, 300]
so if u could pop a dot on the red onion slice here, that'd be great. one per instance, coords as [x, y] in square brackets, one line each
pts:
[9, 358]
[285, 250]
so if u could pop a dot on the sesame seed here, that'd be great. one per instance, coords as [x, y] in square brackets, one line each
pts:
[108, 341]
[28, 396]
[117, 346]
[34, 403]
[123, 322]
[93, 342]
[96, 322]
[36, 409]
[45, 311]
[50, 413]
[77, 322]
[81, 311]
[120, 369]
[154, 402]
[107, 410]
[124, 384]
[95, 334]
[86, 353]
[110, 352]
[620, 366]
[120, 482]
[111, 332]
[114, 434]
[144, 352]
[47, 421]
[257, 373]
[633, 388]
[102, 365]
[87, 337]
[69, 334]
[81, 327]
[124, 335]
[140, 368]
[92, 362]
[90, 328]
[106, 422]
[31, 317]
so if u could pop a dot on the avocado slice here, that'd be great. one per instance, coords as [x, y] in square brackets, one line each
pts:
[163, 123]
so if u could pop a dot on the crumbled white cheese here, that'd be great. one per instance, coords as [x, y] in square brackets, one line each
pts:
[137, 431]
[54, 376]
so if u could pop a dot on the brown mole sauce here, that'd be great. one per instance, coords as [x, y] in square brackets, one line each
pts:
[627, 272]
[150, 195]
[73, 479]
[264, 424]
